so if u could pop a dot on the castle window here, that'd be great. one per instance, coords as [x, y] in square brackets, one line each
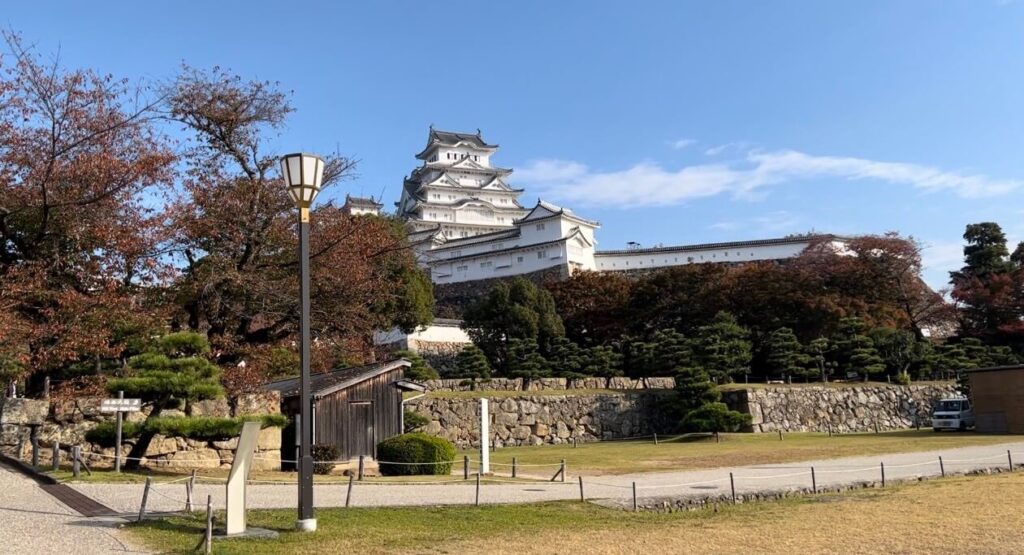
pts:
[541, 254]
[487, 264]
[462, 268]
[540, 227]
[519, 259]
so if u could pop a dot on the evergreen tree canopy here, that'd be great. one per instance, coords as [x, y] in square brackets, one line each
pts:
[472, 363]
[723, 348]
[420, 369]
[785, 354]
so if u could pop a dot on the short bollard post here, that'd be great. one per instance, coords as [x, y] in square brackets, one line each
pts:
[562, 471]
[780, 435]
[209, 524]
[145, 497]
[582, 498]
[876, 426]
[477, 489]
[732, 487]
[814, 482]
[34, 438]
[882, 465]
[634, 496]
[348, 494]
[829, 429]
[1009, 459]
[942, 467]
[465, 467]
[718, 438]
[361, 467]
[655, 439]
[76, 466]
[189, 485]
[56, 455]
[515, 465]
[574, 442]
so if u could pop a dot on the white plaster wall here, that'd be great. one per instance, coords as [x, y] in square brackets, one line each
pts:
[505, 264]
[640, 260]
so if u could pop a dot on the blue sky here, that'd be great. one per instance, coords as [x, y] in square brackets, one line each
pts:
[670, 122]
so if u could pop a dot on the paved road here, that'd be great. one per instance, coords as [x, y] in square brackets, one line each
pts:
[748, 479]
[32, 521]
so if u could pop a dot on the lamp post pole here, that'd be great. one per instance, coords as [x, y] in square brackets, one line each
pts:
[303, 174]
[306, 447]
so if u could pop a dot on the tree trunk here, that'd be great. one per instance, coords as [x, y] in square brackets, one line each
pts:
[142, 444]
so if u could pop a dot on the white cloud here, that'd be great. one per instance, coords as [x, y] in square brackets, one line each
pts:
[649, 184]
[683, 143]
[730, 146]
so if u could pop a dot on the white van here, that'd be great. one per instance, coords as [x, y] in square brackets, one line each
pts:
[953, 414]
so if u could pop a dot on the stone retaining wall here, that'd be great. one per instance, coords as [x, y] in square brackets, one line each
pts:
[68, 421]
[540, 419]
[839, 408]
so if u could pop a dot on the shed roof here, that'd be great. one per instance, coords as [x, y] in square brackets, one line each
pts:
[1006, 368]
[329, 382]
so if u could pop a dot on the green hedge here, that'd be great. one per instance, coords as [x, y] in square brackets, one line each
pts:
[205, 428]
[435, 454]
[323, 457]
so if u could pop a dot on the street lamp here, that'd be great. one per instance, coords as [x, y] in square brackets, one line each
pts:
[303, 174]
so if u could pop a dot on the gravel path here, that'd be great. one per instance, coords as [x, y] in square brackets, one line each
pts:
[32, 521]
[748, 479]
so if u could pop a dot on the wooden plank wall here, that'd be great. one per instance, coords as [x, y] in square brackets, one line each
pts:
[336, 424]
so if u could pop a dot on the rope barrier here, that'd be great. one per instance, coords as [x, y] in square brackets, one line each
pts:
[687, 484]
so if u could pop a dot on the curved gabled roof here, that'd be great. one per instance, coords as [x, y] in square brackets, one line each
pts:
[436, 137]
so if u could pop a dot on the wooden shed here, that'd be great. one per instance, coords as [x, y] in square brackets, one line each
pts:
[353, 408]
[997, 397]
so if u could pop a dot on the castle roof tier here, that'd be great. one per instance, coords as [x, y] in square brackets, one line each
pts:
[437, 138]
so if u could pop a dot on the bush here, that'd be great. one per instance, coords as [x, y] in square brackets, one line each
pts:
[435, 454]
[714, 417]
[903, 378]
[420, 369]
[190, 427]
[323, 457]
[413, 420]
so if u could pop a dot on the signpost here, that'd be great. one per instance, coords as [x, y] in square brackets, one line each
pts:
[485, 437]
[120, 406]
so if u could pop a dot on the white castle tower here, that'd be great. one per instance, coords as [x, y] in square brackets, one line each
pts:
[457, 191]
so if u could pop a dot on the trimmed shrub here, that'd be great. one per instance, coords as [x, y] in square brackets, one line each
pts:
[323, 457]
[714, 417]
[413, 420]
[190, 427]
[435, 454]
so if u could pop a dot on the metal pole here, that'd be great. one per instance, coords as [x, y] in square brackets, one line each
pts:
[209, 524]
[117, 437]
[634, 496]
[655, 439]
[145, 497]
[56, 455]
[942, 467]
[582, 498]
[814, 481]
[348, 495]
[34, 437]
[732, 487]
[1009, 459]
[883, 473]
[361, 467]
[515, 463]
[477, 489]
[563, 470]
[306, 521]
[465, 467]
[76, 465]
[780, 435]
[718, 438]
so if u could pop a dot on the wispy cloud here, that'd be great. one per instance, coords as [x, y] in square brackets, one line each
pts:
[777, 221]
[680, 144]
[649, 184]
[729, 147]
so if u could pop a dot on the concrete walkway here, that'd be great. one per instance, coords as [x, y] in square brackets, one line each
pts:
[32, 521]
[748, 479]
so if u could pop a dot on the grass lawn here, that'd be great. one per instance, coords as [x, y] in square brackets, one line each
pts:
[622, 457]
[957, 515]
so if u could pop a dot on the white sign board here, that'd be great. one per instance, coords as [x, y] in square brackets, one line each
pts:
[485, 437]
[239, 475]
[121, 405]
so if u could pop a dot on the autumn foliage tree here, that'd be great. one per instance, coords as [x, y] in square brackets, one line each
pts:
[234, 227]
[80, 161]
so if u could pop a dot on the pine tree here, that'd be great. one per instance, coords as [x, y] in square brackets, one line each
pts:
[602, 361]
[175, 372]
[420, 369]
[785, 354]
[471, 362]
[723, 348]
[857, 353]
[525, 361]
[820, 353]
[566, 358]
[669, 350]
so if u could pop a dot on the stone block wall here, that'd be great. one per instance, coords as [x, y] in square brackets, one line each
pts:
[540, 419]
[839, 408]
[549, 384]
[67, 421]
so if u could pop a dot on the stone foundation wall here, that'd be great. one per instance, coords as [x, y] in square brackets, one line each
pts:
[841, 409]
[68, 421]
[540, 419]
